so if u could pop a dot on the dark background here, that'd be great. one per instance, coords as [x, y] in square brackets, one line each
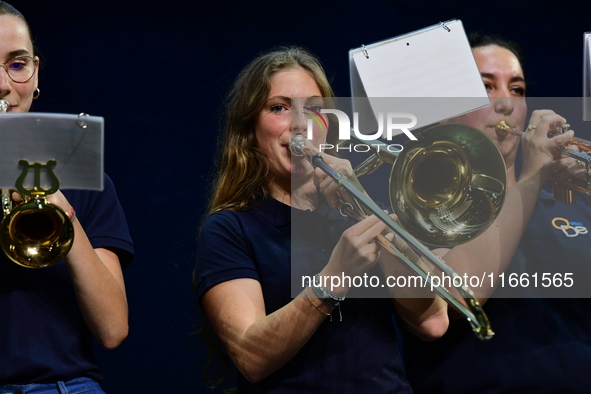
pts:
[158, 71]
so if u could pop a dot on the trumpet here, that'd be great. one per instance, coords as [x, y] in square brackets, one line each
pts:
[34, 233]
[358, 205]
[564, 189]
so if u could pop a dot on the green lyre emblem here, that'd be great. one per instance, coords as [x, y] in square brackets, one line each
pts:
[37, 190]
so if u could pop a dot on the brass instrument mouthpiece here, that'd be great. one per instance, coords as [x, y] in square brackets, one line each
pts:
[297, 145]
[503, 128]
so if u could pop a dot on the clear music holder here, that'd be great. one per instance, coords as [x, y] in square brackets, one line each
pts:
[74, 142]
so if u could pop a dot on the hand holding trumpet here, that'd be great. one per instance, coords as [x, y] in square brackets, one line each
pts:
[549, 145]
[539, 151]
[57, 199]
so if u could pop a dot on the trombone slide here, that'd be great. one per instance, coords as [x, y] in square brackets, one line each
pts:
[301, 146]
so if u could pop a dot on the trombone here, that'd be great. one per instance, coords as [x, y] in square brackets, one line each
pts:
[35, 233]
[565, 188]
[460, 205]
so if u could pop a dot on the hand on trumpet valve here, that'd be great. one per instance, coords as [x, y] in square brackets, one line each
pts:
[56, 198]
[567, 167]
[16, 196]
[540, 148]
[580, 169]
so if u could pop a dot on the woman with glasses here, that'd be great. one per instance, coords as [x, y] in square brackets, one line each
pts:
[49, 316]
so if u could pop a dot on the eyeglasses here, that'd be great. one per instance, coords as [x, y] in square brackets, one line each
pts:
[20, 68]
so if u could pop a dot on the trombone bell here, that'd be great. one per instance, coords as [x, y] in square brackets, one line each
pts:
[449, 186]
[357, 205]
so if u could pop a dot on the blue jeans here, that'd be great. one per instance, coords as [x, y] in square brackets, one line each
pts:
[74, 386]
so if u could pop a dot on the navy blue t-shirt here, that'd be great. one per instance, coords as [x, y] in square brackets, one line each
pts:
[43, 337]
[542, 345]
[359, 354]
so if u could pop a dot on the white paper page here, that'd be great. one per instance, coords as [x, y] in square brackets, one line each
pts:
[433, 62]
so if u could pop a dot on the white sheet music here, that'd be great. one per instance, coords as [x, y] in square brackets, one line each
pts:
[433, 62]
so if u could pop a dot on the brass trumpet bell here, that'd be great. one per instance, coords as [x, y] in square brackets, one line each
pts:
[449, 185]
[36, 234]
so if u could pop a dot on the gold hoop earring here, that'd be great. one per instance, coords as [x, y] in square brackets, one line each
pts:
[36, 96]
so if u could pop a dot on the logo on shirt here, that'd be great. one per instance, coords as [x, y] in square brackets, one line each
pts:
[570, 229]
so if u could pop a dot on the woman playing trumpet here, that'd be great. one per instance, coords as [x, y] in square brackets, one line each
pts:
[541, 345]
[50, 315]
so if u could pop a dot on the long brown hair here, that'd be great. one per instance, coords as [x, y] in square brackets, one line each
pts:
[243, 171]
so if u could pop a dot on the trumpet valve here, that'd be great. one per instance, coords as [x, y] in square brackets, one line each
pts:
[559, 129]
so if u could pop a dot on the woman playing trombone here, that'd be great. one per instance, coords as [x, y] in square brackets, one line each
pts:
[317, 341]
